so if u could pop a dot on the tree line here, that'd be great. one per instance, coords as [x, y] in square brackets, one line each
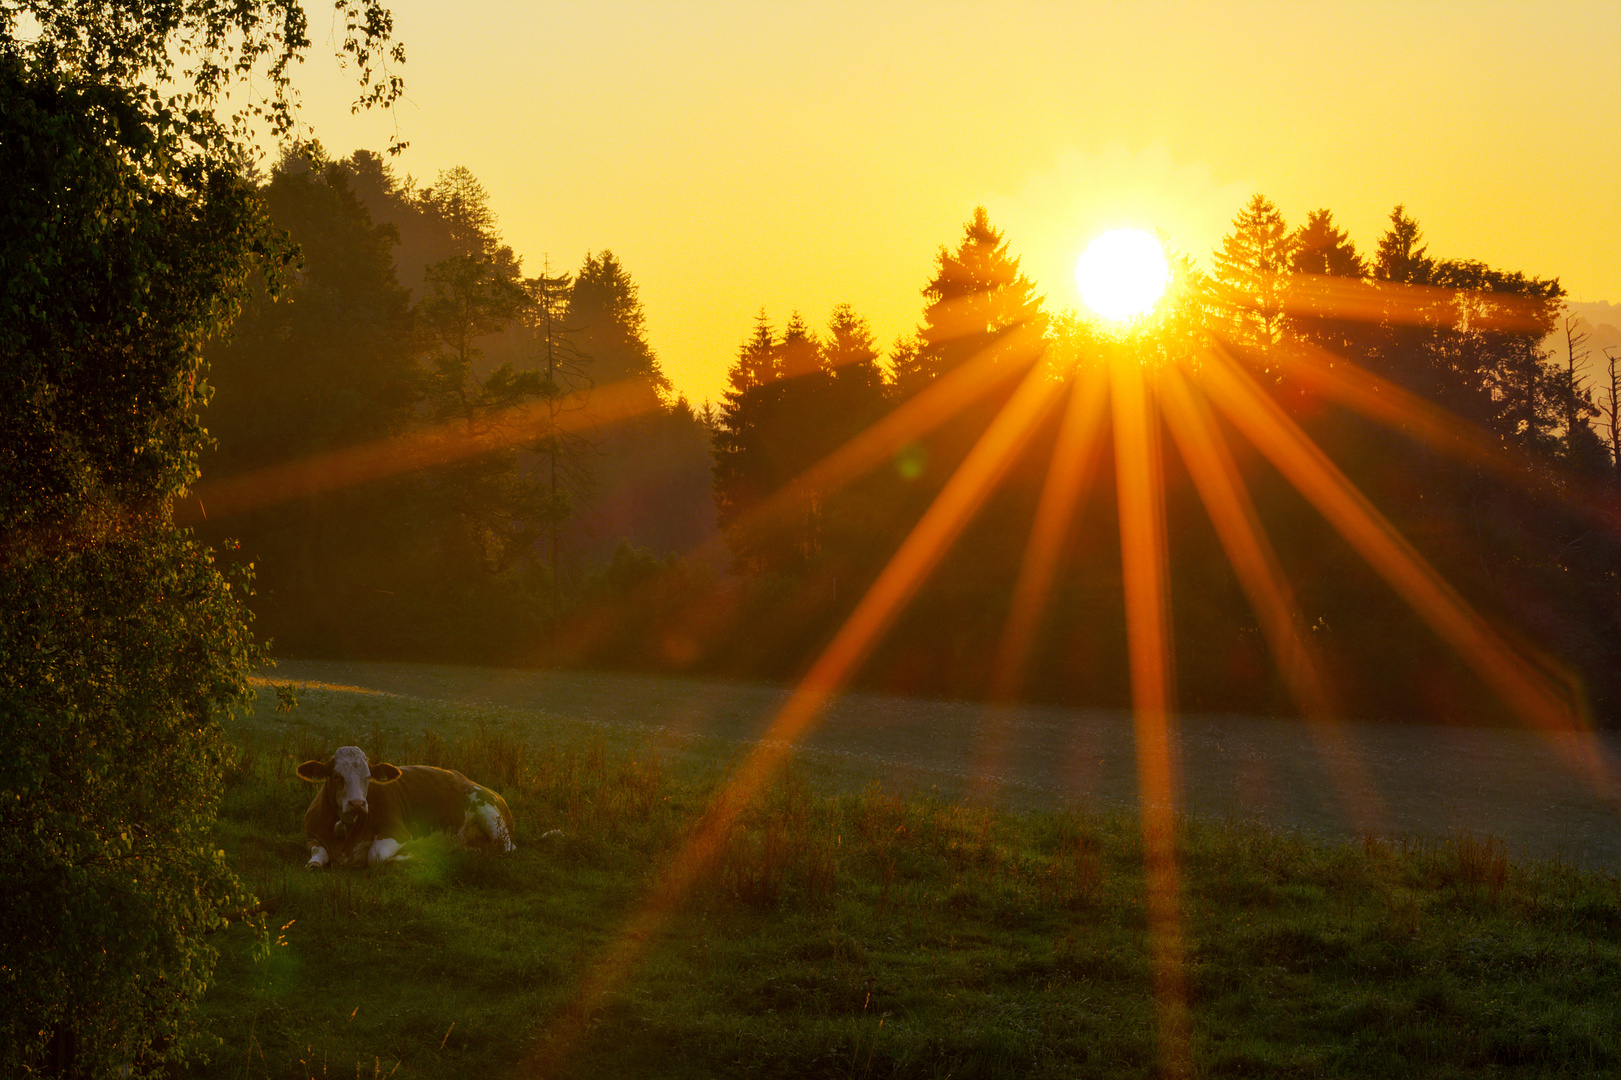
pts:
[408, 311]
[1538, 556]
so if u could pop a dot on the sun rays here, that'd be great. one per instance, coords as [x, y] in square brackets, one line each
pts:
[456, 440]
[1145, 396]
[1145, 573]
[1139, 398]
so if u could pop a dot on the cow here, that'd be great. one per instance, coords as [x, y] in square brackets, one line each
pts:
[364, 813]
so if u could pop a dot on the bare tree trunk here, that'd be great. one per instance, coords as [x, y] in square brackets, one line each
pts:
[1573, 342]
[552, 407]
[1613, 410]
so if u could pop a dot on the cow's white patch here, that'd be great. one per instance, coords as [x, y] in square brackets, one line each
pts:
[383, 850]
[495, 826]
[318, 858]
[483, 810]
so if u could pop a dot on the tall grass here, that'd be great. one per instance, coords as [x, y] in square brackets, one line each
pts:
[879, 933]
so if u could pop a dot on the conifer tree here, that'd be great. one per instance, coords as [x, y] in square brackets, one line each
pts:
[1252, 273]
[977, 294]
[799, 352]
[850, 353]
[739, 465]
[332, 360]
[462, 205]
[1320, 248]
[1441, 342]
[758, 361]
[606, 324]
[333, 363]
[1400, 257]
[907, 373]
[851, 522]
[856, 396]
[565, 451]
[772, 431]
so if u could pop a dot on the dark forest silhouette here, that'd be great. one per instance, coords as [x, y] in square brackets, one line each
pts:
[597, 544]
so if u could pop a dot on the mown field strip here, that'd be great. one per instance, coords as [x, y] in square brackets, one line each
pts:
[1429, 781]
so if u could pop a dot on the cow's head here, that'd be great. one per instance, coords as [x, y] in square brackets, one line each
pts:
[347, 774]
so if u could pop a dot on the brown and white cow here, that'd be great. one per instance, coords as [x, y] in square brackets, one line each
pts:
[365, 813]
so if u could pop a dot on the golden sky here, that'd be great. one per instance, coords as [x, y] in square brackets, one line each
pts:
[794, 156]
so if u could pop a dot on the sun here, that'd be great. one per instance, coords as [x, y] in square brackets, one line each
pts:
[1122, 274]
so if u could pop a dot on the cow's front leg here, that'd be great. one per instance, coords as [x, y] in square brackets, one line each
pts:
[358, 855]
[318, 858]
[384, 849]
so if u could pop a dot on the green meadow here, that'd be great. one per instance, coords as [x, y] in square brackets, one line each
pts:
[866, 933]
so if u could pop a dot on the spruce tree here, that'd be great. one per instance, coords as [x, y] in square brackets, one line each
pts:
[739, 482]
[851, 355]
[977, 295]
[607, 325]
[799, 353]
[1400, 257]
[1252, 273]
[1322, 249]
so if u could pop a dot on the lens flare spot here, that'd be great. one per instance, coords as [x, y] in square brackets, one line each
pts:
[911, 460]
[1122, 274]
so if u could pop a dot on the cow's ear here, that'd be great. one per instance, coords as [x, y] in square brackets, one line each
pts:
[384, 773]
[314, 771]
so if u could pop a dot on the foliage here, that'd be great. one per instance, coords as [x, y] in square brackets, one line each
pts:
[793, 400]
[1538, 555]
[878, 932]
[649, 469]
[466, 558]
[1527, 554]
[1254, 263]
[490, 511]
[218, 47]
[564, 450]
[330, 362]
[1321, 248]
[118, 652]
[470, 541]
[606, 323]
[740, 469]
[126, 238]
[977, 294]
[120, 642]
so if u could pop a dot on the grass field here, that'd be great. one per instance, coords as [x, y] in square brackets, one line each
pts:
[871, 934]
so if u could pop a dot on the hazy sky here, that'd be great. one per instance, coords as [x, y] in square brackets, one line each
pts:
[794, 156]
